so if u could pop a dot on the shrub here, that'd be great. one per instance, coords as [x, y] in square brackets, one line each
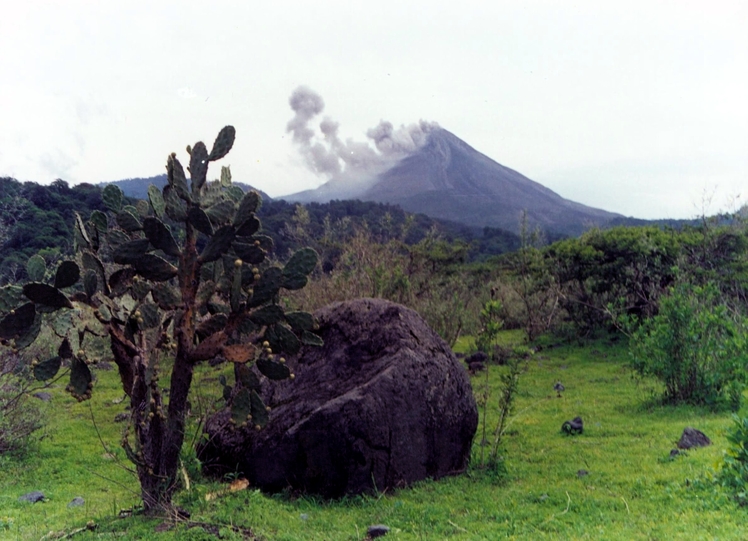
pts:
[695, 346]
[18, 417]
[734, 473]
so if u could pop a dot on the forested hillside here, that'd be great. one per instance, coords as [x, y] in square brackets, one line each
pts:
[39, 219]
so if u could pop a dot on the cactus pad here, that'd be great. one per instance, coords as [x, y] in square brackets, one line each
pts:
[166, 296]
[273, 369]
[128, 220]
[80, 235]
[225, 176]
[221, 213]
[267, 287]
[157, 201]
[160, 236]
[211, 326]
[150, 314]
[281, 338]
[235, 193]
[130, 252]
[47, 369]
[248, 227]
[239, 353]
[92, 262]
[65, 351]
[174, 206]
[153, 267]
[27, 336]
[249, 253]
[112, 197]
[248, 206]
[10, 296]
[67, 274]
[223, 143]
[218, 244]
[297, 269]
[90, 283]
[241, 407]
[200, 221]
[80, 379]
[46, 295]
[198, 166]
[36, 268]
[267, 315]
[259, 411]
[300, 321]
[247, 377]
[311, 339]
[177, 179]
[99, 221]
[120, 280]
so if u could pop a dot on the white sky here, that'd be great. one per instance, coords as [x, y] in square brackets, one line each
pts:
[637, 107]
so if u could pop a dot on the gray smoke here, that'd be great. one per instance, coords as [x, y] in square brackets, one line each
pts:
[326, 154]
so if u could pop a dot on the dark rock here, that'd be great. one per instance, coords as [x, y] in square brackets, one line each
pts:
[477, 357]
[104, 365]
[559, 387]
[693, 438]
[44, 397]
[382, 404]
[32, 497]
[582, 473]
[674, 453]
[77, 502]
[377, 530]
[573, 427]
[122, 417]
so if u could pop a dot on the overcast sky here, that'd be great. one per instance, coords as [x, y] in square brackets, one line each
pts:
[635, 107]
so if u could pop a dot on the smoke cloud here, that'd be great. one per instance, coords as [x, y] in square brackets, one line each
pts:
[327, 155]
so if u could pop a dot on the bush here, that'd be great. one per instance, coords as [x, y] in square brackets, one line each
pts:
[734, 473]
[18, 418]
[695, 346]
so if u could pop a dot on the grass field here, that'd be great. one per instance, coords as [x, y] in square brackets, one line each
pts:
[632, 489]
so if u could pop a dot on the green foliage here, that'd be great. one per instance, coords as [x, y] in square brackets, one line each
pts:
[734, 472]
[695, 346]
[491, 324]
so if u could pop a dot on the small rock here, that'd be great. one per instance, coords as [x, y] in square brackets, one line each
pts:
[674, 453]
[377, 530]
[543, 497]
[558, 387]
[582, 473]
[693, 438]
[32, 497]
[44, 397]
[121, 417]
[77, 502]
[104, 365]
[304, 516]
[573, 427]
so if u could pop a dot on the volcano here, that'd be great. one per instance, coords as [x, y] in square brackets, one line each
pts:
[448, 179]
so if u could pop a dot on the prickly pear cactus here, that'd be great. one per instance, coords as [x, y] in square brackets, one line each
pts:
[184, 276]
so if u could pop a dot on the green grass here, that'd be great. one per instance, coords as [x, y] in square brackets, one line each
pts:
[633, 490]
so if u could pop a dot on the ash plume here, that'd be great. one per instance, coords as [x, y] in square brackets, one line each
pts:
[327, 154]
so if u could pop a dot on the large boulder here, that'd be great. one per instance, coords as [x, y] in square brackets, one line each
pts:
[382, 404]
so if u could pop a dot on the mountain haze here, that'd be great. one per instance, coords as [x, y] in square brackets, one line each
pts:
[447, 178]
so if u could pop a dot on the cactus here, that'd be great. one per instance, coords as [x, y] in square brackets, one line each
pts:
[36, 268]
[112, 197]
[10, 296]
[156, 199]
[47, 369]
[159, 294]
[67, 274]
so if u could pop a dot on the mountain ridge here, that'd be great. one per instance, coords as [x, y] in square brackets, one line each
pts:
[447, 178]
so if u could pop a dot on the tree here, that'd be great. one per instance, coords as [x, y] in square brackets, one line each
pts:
[695, 346]
[167, 306]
